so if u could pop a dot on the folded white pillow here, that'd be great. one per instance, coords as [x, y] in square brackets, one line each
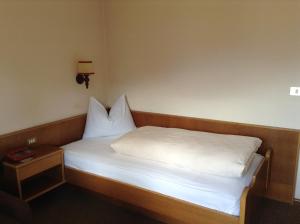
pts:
[100, 124]
[217, 154]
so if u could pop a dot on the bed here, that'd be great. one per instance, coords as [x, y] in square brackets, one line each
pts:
[277, 173]
[170, 194]
[174, 174]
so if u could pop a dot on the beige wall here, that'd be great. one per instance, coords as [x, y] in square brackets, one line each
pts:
[40, 42]
[219, 59]
[222, 59]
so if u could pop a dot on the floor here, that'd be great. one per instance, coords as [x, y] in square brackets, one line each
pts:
[280, 213]
[70, 204]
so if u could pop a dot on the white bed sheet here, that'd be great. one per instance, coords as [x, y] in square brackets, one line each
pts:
[223, 194]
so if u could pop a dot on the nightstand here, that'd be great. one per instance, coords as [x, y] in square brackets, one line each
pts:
[44, 172]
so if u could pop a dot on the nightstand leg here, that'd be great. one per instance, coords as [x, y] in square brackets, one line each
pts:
[19, 185]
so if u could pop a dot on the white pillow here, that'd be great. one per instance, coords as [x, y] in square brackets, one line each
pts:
[199, 152]
[100, 124]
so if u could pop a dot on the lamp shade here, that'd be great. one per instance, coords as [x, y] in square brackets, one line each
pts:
[85, 67]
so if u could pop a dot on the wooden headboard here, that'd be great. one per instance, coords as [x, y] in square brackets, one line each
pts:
[284, 142]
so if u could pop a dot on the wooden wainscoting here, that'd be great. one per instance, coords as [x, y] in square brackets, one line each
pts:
[284, 142]
[55, 133]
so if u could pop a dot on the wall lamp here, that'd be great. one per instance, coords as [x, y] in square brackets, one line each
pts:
[84, 70]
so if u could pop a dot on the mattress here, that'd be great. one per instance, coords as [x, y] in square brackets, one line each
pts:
[223, 194]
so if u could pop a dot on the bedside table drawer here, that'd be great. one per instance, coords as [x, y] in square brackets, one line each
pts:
[40, 166]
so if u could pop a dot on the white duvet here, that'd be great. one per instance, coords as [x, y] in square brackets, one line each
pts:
[94, 155]
[203, 152]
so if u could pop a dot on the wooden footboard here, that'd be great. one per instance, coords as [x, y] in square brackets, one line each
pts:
[169, 209]
[251, 200]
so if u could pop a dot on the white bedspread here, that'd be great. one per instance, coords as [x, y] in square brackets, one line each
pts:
[217, 154]
[219, 193]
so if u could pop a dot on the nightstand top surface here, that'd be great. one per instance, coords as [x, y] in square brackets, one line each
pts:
[40, 152]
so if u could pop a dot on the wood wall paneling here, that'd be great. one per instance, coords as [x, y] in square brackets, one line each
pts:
[284, 142]
[55, 133]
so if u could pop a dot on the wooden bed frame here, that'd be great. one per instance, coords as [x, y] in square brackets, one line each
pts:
[278, 176]
[172, 210]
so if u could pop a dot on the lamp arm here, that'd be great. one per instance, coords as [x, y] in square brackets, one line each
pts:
[86, 80]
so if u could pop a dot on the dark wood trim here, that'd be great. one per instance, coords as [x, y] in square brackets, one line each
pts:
[88, 62]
